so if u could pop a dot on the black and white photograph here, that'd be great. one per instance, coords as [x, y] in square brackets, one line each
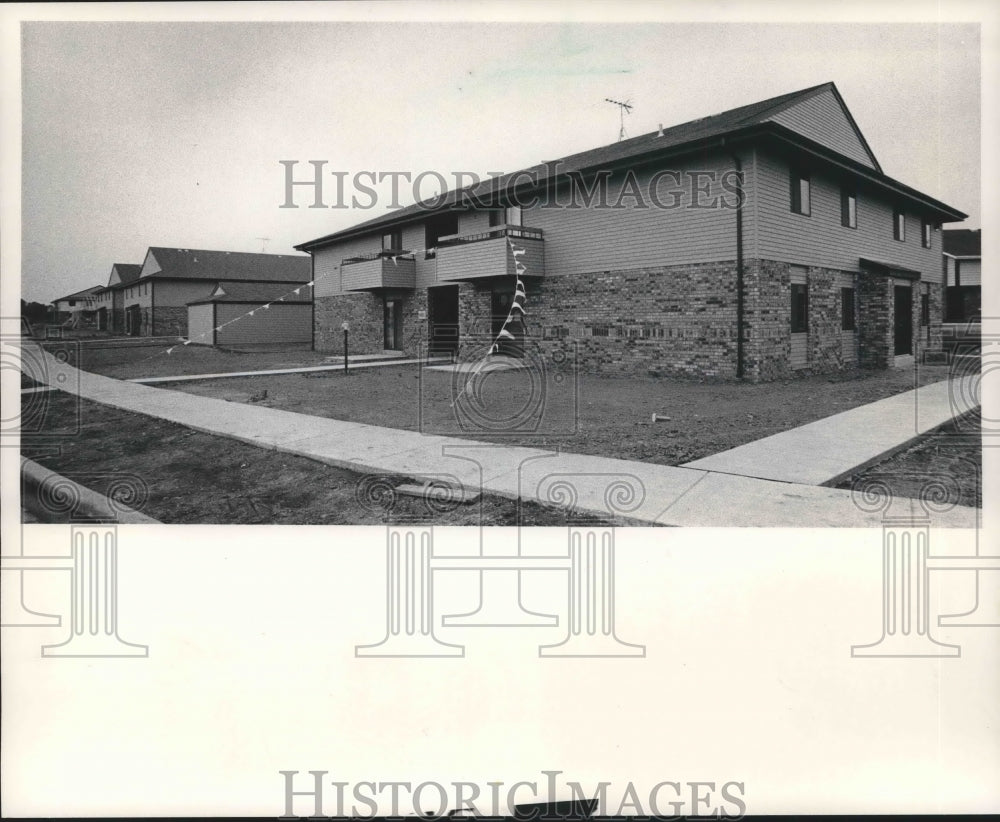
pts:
[519, 410]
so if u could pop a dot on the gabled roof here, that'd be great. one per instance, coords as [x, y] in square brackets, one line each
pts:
[240, 292]
[198, 264]
[755, 118]
[80, 295]
[127, 273]
[963, 242]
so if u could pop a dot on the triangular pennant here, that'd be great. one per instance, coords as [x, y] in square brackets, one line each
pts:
[517, 252]
[251, 314]
[267, 305]
[518, 306]
[520, 269]
[519, 284]
[170, 350]
[311, 283]
[505, 334]
[188, 342]
[394, 260]
[494, 348]
[297, 290]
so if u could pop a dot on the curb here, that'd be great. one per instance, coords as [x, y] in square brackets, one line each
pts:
[89, 505]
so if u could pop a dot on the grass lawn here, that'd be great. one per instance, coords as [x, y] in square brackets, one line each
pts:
[200, 478]
[129, 361]
[606, 416]
[949, 458]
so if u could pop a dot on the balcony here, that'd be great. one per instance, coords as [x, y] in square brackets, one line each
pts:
[372, 272]
[487, 254]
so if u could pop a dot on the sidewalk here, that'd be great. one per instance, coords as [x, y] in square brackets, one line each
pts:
[660, 494]
[828, 450]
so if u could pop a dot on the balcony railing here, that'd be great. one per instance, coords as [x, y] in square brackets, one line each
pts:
[378, 270]
[488, 254]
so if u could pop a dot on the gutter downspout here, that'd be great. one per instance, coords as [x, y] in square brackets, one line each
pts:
[739, 264]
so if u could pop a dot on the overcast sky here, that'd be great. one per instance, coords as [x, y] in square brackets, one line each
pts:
[140, 134]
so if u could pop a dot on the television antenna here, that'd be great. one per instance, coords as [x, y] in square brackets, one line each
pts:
[263, 243]
[623, 108]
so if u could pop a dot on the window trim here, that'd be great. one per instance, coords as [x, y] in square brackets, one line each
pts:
[797, 177]
[848, 194]
[899, 225]
[926, 234]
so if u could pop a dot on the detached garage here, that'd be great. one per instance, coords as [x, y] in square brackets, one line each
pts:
[224, 318]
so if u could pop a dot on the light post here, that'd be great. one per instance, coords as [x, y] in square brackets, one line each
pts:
[346, 326]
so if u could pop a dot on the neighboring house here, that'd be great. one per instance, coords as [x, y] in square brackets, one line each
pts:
[79, 306]
[156, 302]
[962, 275]
[122, 274]
[235, 314]
[829, 263]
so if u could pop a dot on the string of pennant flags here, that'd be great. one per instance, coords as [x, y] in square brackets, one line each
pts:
[515, 313]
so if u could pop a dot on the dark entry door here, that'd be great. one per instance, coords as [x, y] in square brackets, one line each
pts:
[443, 309]
[903, 320]
[393, 324]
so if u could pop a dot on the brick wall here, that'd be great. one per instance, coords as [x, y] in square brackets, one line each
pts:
[677, 320]
[875, 300]
[169, 321]
[364, 311]
[475, 317]
[767, 318]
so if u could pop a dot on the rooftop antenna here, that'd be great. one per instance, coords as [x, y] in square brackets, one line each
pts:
[263, 243]
[622, 109]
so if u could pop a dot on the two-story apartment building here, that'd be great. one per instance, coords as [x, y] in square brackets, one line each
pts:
[114, 300]
[78, 306]
[755, 243]
[155, 302]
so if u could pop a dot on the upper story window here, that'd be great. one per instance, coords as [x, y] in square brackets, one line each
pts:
[514, 216]
[848, 207]
[392, 241]
[800, 192]
[436, 227]
[899, 225]
[925, 233]
[72, 303]
[497, 217]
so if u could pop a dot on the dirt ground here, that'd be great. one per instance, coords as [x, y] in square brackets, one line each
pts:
[948, 461]
[606, 416]
[199, 478]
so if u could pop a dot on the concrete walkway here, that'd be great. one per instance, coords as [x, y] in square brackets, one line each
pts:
[829, 450]
[353, 364]
[643, 492]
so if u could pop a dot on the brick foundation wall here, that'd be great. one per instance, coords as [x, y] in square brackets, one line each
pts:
[767, 318]
[475, 317]
[118, 320]
[875, 301]
[669, 320]
[170, 321]
[364, 312]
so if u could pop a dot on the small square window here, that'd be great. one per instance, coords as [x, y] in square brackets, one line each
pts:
[392, 241]
[800, 308]
[800, 193]
[899, 225]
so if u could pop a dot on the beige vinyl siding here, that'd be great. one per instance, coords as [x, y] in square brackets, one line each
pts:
[821, 118]
[281, 323]
[970, 272]
[594, 239]
[200, 324]
[849, 339]
[178, 293]
[799, 341]
[821, 240]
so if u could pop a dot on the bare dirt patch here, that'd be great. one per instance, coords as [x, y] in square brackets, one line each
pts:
[199, 478]
[946, 463]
